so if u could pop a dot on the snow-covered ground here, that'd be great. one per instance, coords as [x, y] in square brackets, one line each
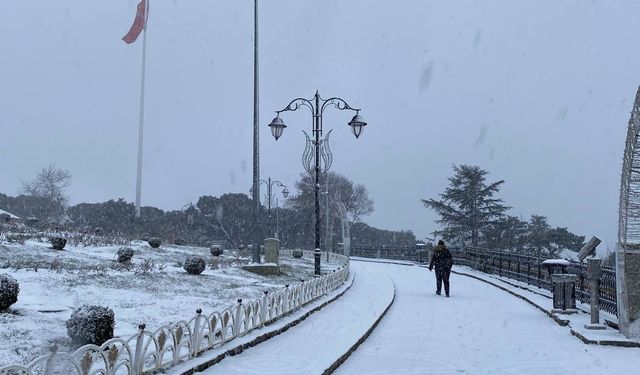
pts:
[479, 330]
[155, 290]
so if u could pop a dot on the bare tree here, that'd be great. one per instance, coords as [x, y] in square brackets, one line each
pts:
[341, 189]
[50, 184]
[360, 203]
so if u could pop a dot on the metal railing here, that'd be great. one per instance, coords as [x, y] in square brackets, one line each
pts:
[384, 251]
[529, 269]
[155, 350]
[524, 268]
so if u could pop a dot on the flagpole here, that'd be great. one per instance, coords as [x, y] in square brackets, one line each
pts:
[141, 124]
[256, 136]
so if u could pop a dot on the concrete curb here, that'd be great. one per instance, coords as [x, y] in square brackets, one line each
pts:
[264, 337]
[362, 339]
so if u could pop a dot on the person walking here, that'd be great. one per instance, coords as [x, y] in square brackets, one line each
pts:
[443, 261]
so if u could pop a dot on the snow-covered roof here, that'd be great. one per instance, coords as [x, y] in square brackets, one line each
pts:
[12, 216]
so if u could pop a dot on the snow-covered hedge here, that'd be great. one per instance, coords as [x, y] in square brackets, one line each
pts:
[194, 265]
[58, 243]
[154, 242]
[216, 250]
[125, 254]
[9, 289]
[91, 324]
[297, 253]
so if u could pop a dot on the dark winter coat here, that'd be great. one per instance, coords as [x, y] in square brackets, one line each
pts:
[441, 259]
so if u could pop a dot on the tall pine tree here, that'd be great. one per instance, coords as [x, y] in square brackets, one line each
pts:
[467, 208]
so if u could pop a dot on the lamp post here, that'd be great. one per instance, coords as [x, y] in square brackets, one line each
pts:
[285, 192]
[317, 105]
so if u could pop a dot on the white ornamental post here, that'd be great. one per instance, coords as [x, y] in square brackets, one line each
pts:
[49, 366]
[286, 299]
[264, 308]
[195, 338]
[238, 319]
[138, 361]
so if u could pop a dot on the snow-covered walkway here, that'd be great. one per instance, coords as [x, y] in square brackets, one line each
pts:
[316, 343]
[479, 330]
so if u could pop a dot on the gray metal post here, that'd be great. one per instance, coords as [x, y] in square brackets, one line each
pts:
[593, 274]
[327, 245]
[317, 130]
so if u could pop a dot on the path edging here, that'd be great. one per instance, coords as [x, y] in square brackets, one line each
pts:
[362, 339]
[266, 336]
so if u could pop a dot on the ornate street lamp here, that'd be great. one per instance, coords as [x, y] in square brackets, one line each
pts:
[357, 125]
[277, 127]
[317, 105]
[285, 192]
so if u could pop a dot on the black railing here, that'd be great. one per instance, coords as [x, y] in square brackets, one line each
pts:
[530, 270]
[384, 251]
[524, 268]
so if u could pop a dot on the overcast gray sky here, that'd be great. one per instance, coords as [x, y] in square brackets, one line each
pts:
[538, 93]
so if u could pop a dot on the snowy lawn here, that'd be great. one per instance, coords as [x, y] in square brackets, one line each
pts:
[154, 289]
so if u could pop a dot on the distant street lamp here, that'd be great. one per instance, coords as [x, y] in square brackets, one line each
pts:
[317, 106]
[285, 192]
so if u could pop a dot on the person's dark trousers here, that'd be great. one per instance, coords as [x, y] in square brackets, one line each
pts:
[442, 276]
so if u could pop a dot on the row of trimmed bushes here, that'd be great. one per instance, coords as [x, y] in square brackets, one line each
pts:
[58, 243]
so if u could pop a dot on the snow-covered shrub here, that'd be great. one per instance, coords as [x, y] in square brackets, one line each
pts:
[154, 242]
[125, 254]
[9, 289]
[216, 250]
[58, 243]
[194, 265]
[91, 324]
[297, 253]
[179, 241]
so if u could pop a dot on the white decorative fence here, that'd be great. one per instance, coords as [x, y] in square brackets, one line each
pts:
[148, 351]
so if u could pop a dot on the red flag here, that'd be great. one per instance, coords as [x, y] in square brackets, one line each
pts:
[138, 24]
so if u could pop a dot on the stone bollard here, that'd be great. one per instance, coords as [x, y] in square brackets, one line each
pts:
[271, 250]
[593, 275]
